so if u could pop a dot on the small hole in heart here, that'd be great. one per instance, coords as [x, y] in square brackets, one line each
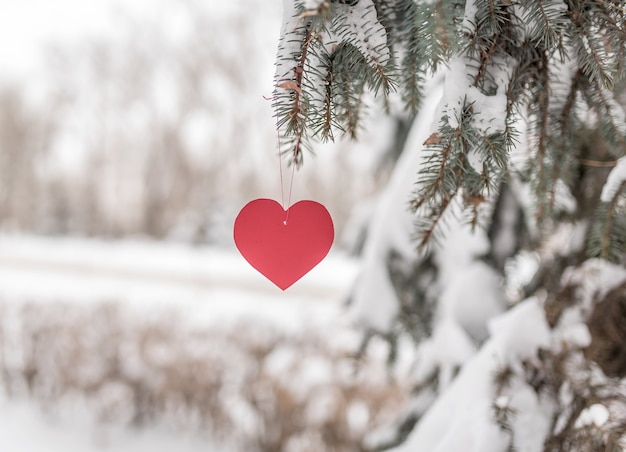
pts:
[285, 222]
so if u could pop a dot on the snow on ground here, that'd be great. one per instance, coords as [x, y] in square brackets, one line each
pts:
[24, 428]
[209, 285]
[206, 286]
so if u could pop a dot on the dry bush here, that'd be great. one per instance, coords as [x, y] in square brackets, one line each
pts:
[249, 385]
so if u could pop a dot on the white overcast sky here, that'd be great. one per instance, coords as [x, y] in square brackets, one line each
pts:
[28, 25]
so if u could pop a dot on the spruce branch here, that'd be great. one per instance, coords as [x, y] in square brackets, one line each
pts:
[327, 130]
[593, 58]
[555, 63]
[542, 129]
[337, 51]
[485, 58]
[610, 116]
[548, 22]
[290, 102]
[427, 228]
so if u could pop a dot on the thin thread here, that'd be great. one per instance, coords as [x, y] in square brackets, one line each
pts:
[280, 165]
[282, 185]
[293, 171]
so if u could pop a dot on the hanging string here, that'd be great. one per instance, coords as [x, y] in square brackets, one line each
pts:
[282, 184]
[293, 170]
[280, 166]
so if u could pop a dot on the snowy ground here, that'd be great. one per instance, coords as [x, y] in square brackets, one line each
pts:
[213, 285]
[206, 286]
[24, 428]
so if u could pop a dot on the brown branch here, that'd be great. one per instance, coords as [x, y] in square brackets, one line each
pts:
[565, 112]
[604, 103]
[490, 144]
[429, 232]
[297, 108]
[441, 28]
[492, 10]
[570, 100]
[445, 152]
[544, 103]
[598, 163]
[327, 130]
[485, 57]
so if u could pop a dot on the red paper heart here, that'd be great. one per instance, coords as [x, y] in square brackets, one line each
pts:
[283, 251]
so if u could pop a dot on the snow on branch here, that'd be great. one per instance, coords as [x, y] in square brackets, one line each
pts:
[328, 56]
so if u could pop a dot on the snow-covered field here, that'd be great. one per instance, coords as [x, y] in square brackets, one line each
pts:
[205, 288]
[210, 284]
[25, 428]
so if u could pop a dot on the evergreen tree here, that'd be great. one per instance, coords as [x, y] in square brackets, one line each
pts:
[523, 166]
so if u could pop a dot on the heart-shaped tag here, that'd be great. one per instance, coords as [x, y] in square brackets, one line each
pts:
[283, 246]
